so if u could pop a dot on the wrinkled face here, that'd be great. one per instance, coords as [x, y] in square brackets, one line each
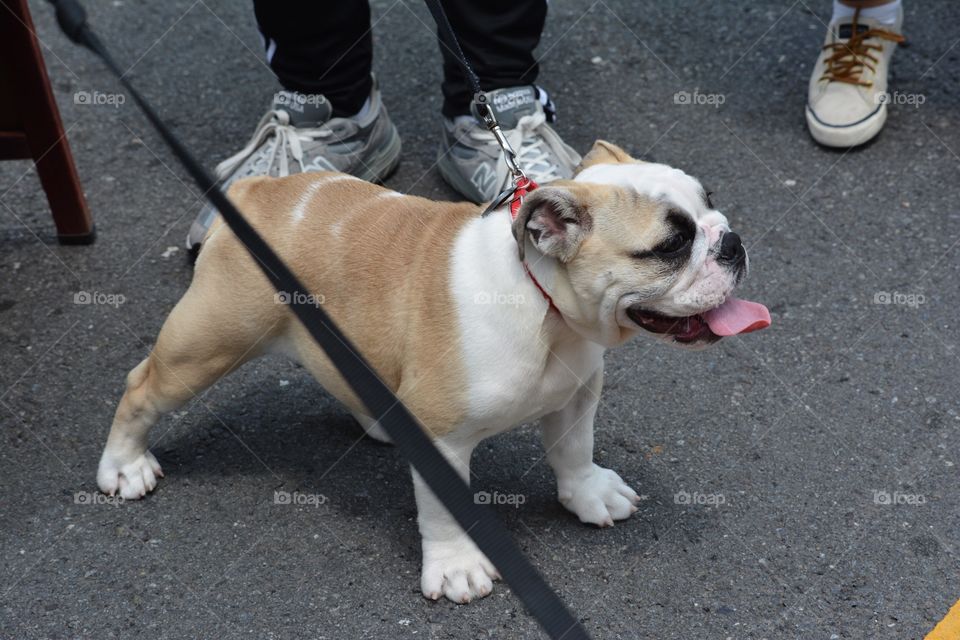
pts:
[642, 247]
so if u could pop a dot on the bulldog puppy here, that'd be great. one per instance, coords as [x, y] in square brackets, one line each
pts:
[478, 324]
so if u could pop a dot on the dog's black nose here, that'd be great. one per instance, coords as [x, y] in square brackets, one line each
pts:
[731, 248]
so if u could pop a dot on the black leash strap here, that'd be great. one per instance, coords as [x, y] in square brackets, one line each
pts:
[479, 522]
[448, 38]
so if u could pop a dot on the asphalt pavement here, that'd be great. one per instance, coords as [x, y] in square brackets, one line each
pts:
[800, 482]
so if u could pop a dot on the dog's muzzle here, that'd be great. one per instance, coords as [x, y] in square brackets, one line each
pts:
[733, 317]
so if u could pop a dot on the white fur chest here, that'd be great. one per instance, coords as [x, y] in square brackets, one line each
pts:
[518, 366]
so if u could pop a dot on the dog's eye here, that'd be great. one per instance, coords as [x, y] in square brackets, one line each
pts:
[709, 201]
[672, 246]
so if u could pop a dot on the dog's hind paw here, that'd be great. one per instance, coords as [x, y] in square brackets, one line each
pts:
[133, 479]
[457, 570]
[599, 498]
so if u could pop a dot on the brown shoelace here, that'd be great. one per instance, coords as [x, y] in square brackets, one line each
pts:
[848, 59]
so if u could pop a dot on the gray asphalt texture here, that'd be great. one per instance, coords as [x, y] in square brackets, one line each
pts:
[787, 441]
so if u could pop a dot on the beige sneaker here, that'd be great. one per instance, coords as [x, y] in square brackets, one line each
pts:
[847, 100]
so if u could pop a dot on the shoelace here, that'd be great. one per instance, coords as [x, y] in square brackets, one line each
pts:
[533, 150]
[530, 141]
[288, 139]
[849, 58]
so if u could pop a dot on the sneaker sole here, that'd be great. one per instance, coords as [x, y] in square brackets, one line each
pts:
[848, 136]
[380, 166]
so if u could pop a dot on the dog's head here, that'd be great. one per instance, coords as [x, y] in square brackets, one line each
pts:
[639, 246]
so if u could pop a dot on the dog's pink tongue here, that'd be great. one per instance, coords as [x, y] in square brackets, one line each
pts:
[737, 316]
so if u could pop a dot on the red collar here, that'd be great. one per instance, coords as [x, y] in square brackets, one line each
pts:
[524, 186]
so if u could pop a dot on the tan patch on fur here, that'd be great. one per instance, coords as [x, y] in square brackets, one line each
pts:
[622, 222]
[378, 264]
[604, 152]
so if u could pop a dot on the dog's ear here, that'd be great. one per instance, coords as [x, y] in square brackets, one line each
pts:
[603, 152]
[556, 220]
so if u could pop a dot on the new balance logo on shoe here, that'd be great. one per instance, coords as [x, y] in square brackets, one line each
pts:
[485, 178]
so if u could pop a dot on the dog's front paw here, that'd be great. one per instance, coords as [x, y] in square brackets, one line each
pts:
[598, 498]
[133, 479]
[457, 570]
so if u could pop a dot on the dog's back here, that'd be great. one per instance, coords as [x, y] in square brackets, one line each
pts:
[356, 246]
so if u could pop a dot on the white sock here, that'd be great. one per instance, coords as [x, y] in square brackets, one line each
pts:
[365, 109]
[468, 118]
[884, 14]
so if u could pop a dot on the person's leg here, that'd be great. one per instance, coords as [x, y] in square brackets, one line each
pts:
[320, 48]
[883, 11]
[498, 38]
[329, 116]
[847, 97]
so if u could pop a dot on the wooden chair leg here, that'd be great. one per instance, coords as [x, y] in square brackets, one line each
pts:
[40, 122]
[62, 186]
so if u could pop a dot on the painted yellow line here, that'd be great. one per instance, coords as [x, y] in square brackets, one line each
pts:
[949, 627]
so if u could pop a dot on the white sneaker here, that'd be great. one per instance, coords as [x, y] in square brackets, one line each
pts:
[847, 99]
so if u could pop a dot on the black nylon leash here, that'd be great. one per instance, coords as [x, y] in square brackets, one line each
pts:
[448, 38]
[479, 522]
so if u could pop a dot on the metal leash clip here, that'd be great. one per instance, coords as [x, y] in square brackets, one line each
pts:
[490, 119]
[509, 155]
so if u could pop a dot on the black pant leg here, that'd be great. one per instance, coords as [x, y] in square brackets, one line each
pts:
[320, 47]
[498, 38]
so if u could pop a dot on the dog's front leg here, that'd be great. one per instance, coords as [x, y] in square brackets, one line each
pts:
[597, 495]
[452, 564]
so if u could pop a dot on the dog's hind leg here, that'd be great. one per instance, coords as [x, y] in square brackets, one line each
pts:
[200, 342]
